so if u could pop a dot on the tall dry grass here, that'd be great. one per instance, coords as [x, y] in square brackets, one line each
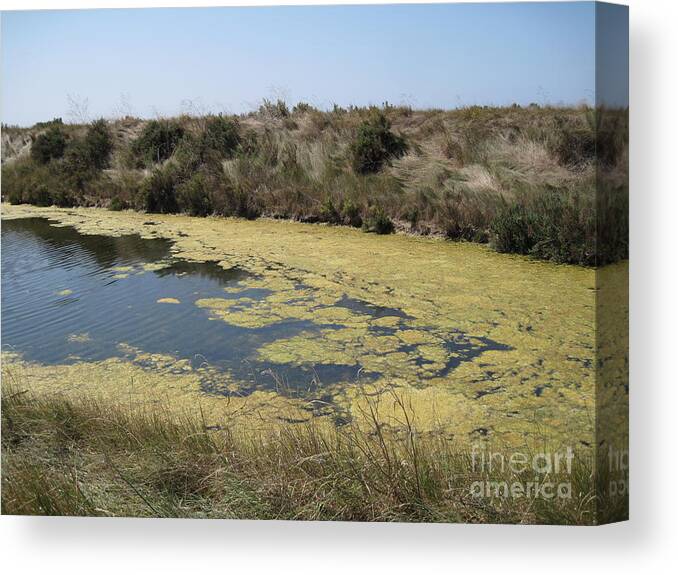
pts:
[462, 169]
[64, 456]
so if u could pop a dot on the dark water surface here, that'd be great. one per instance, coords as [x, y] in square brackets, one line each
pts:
[67, 297]
[40, 320]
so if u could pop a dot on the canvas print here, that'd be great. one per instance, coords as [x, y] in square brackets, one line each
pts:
[347, 263]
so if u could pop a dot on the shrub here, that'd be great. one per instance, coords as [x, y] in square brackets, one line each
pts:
[61, 196]
[117, 204]
[243, 204]
[188, 155]
[329, 212]
[99, 144]
[412, 216]
[49, 145]
[50, 123]
[375, 145]
[276, 109]
[557, 225]
[39, 195]
[464, 215]
[86, 157]
[513, 230]
[564, 224]
[249, 144]
[193, 196]
[13, 180]
[379, 222]
[157, 141]
[39, 184]
[350, 214]
[78, 167]
[158, 192]
[221, 136]
[302, 108]
[235, 195]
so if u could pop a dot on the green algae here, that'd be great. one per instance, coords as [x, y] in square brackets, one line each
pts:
[171, 300]
[449, 296]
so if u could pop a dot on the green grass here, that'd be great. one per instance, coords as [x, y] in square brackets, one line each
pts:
[82, 457]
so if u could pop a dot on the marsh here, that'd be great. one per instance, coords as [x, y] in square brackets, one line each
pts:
[483, 345]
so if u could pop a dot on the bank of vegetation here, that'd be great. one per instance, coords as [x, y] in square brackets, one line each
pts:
[64, 456]
[543, 181]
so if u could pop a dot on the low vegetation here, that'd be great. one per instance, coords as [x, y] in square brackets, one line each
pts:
[543, 181]
[64, 456]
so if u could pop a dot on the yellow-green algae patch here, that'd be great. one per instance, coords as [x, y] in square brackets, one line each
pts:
[162, 381]
[168, 300]
[540, 385]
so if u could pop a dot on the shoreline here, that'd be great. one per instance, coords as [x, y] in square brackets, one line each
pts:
[444, 287]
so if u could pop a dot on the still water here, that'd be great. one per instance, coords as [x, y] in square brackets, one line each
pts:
[69, 297]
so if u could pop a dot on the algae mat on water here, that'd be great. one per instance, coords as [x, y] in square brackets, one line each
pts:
[481, 345]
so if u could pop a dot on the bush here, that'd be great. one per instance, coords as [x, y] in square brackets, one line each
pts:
[193, 196]
[235, 196]
[86, 157]
[99, 144]
[463, 215]
[302, 108]
[329, 213]
[556, 225]
[350, 214]
[412, 216]
[379, 222]
[221, 136]
[276, 109]
[565, 227]
[158, 192]
[14, 177]
[50, 123]
[157, 141]
[26, 182]
[117, 204]
[49, 145]
[61, 197]
[375, 145]
[513, 230]
[38, 196]
[188, 155]
[78, 166]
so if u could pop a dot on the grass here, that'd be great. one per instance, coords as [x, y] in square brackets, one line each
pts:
[480, 174]
[63, 456]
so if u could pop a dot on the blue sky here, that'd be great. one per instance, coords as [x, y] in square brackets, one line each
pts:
[227, 59]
